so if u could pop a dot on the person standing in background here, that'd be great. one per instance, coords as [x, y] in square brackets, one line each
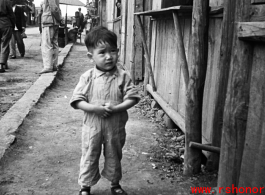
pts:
[51, 19]
[7, 24]
[19, 29]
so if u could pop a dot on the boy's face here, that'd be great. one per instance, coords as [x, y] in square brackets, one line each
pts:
[105, 56]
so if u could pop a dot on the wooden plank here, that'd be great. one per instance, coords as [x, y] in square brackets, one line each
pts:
[216, 3]
[178, 120]
[124, 16]
[193, 115]
[251, 31]
[182, 55]
[258, 1]
[147, 56]
[157, 12]
[252, 172]
[170, 3]
[237, 99]
[212, 119]
[129, 36]
[153, 46]
[138, 60]
[257, 13]
[148, 30]
[157, 4]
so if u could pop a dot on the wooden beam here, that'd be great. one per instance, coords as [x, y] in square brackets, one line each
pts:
[175, 116]
[237, 100]
[204, 147]
[138, 46]
[258, 1]
[180, 44]
[227, 32]
[251, 31]
[147, 56]
[194, 97]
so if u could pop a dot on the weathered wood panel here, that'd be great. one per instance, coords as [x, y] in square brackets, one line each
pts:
[124, 17]
[129, 35]
[237, 99]
[253, 168]
[258, 1]
[157, 4]
[117, 30]
[103, 13]
[110, 13]
[214, 3]
[257, 13]
[186, 29]
[138, 56]
[212, 79]
[165, 61]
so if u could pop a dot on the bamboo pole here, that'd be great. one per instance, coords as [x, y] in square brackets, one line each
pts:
[147, 56]
[194, 96]
[179, 40]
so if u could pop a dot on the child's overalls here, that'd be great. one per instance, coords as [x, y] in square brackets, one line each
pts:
[109, 132]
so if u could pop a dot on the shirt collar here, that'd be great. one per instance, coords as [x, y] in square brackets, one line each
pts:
[99, 73]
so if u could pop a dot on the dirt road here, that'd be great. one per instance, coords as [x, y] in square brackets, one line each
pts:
[44, 160]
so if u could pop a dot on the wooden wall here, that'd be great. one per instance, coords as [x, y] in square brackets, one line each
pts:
[167, 71]
[164, 59]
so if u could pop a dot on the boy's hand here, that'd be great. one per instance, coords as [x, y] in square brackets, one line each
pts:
[108, 106]
[102, 111]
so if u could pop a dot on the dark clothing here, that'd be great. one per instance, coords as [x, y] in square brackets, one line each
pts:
[7, 17]
[5, 35]
[17, 39]
[20, 18]
[7, 23]
[19, 28]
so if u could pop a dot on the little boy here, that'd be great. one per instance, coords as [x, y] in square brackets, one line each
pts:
[104, 93]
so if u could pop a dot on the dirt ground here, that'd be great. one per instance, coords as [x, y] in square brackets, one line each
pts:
[22, 72]
[44, 159]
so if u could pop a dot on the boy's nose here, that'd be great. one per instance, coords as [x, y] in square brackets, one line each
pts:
[108, 56]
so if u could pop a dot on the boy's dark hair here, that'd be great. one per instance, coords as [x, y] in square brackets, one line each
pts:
[99, 35]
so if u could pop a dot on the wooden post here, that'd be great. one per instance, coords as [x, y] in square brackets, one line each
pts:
[146, 72]
[148, 6]
[223, 71]
[147, 56]
[179, 40]
[198, 65]
[237, 99]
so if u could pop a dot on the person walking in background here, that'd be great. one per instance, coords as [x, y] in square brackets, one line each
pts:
[7, 24]
[51, 19]
[20, 27]
[88, 23]
[104, 93]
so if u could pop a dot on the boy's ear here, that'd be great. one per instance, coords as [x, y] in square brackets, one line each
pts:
[89, 55]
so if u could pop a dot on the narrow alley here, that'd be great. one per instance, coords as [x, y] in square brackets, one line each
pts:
[45, 157]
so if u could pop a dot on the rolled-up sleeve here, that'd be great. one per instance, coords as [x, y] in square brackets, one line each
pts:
[130, 90]
[80, 92]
